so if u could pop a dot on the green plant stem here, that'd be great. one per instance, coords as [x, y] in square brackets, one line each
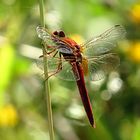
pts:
[46, 82]
[41, 8]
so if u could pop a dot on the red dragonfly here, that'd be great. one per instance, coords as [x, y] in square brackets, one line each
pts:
[71, 61]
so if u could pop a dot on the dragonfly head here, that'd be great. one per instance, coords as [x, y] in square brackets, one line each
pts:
[59, 34]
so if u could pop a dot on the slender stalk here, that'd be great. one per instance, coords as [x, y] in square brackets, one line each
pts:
[46, 82]
[41, 8]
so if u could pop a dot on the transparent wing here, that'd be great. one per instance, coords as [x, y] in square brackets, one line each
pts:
[60, 68]
[67, 72]
[53, 41]
[46, 37]
[99, 66]
[104, 42]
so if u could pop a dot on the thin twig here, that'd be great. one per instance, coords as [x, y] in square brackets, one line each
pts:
[46, 82]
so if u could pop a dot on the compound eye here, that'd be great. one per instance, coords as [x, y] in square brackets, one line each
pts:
[55, 33]
[61, 34]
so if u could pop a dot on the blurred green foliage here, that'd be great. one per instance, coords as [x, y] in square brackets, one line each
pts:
[22, 104]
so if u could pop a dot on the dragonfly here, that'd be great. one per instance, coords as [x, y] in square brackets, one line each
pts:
[71, 61]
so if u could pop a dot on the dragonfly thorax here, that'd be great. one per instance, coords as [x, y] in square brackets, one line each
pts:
[72, 57]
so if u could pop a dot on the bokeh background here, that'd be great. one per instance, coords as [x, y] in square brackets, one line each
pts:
[115, 100]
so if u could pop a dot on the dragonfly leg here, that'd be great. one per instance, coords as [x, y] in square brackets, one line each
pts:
[55, 54]
[48, 53]
[51, 51]
[57, 71]
[59, 68]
